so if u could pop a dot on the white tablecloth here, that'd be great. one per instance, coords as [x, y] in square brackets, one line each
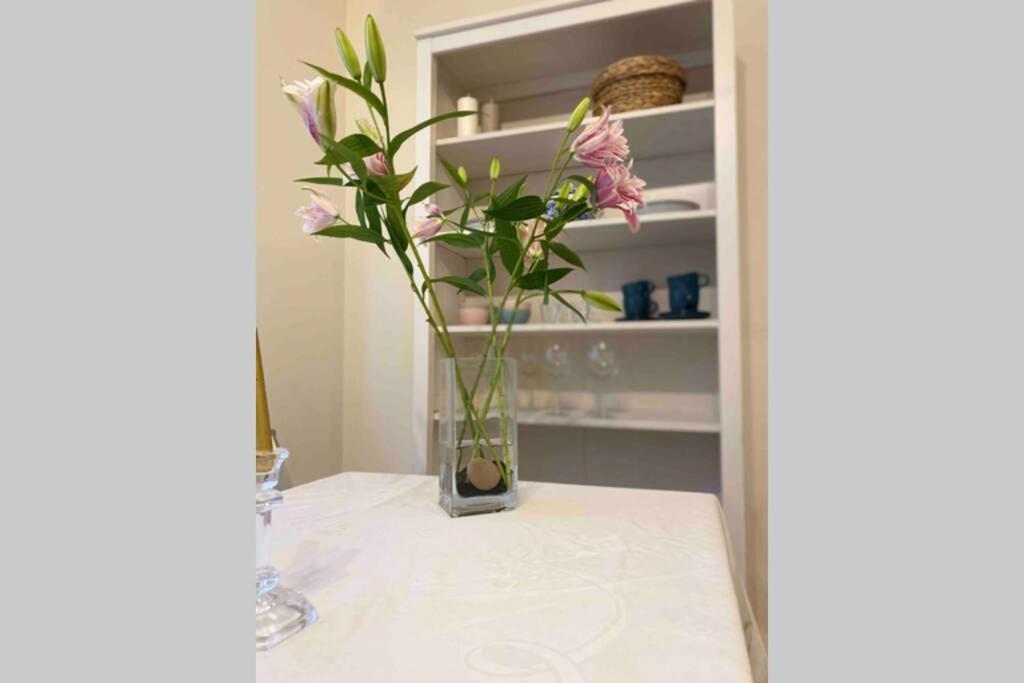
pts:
[580, 583]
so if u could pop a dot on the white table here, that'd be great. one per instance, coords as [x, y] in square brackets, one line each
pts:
[580, 583]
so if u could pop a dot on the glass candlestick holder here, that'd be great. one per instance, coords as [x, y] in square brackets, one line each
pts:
[280, 612]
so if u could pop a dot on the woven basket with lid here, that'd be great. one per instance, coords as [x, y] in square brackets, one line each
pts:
[639, 83]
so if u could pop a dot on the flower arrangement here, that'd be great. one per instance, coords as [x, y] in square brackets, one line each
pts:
[521, 230]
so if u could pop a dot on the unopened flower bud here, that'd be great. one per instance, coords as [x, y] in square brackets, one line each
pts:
[375, 51]
[579, 114]
[348, 54]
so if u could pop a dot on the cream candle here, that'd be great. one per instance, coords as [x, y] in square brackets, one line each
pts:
[489, 117]
[468, 125]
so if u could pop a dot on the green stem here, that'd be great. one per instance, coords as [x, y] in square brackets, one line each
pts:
[492, 337]
[442, 330]
[439, 324]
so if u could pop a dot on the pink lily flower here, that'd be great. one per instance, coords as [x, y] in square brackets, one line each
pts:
[377, 165]
[314, 101]
[616, 188]
[431, 225]
[601, 143]
[320, 214]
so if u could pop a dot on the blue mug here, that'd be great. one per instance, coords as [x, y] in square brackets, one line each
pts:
[684, 291]
[636, 300]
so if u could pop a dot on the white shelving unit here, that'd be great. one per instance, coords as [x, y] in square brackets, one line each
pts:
[678, 422]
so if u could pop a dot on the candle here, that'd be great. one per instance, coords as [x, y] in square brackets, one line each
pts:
[264, 443]
[468, 125]
[489, 119]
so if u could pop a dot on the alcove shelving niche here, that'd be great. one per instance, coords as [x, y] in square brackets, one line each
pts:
[675, 405]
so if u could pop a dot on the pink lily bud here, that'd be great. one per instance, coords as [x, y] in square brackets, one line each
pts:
[601, 143]
[304, 95]
[616, 188]
[431, 225]
[377, 165]
[320, 214]
[535, 250]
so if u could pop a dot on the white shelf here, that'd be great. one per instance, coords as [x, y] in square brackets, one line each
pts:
[662, 131]
[598, 36]
[634, 326]
[650, 422]
[634, 421]
[611, 232]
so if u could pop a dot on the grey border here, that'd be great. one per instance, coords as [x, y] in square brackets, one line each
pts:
[127, 273]
[895, 341]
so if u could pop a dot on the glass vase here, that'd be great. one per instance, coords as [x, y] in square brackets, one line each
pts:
[280, 612]
[477, 436]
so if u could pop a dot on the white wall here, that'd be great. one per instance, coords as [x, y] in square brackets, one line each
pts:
[752, 88]
[299, 283]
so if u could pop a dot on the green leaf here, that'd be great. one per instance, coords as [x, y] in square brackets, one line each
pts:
[602, 301]
[353, 86]
[399, 140]
[558, 296]
[509, 247]
[394, 183]
[583, 181]
[462, 283]
[567, 216]
[491, 272]
[425, 190]
[372, 216]
[457, 240]
[510, 193]
[539, 279]
[361, 144]
[566, 254]
[361, 210]
[369, 217]
[393, 224]
[374, 192]
[478, 275]
[453, 173]
[340, 154]
[520, 209]
[321, 180]
[351, 231]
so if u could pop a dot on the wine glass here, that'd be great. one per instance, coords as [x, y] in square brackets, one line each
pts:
[603, 364]
[553, 312]
[529, 365]
[556, 365]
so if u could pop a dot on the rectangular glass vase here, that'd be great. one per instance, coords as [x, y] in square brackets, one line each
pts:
[477, 438]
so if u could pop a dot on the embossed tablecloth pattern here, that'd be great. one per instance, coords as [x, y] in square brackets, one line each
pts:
[581, 583]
